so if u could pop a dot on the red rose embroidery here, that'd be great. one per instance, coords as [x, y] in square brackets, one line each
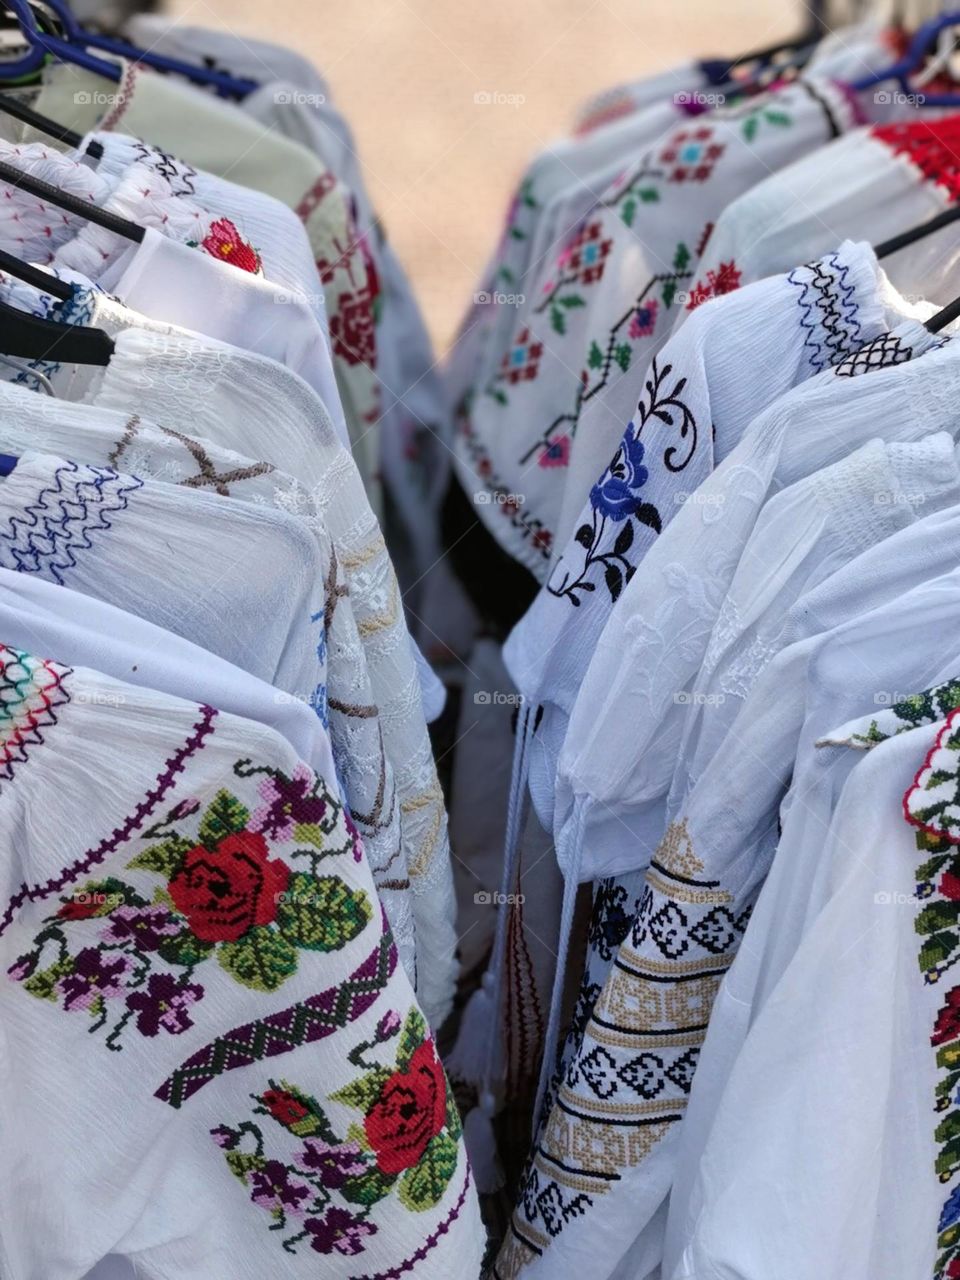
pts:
[284, 1107]
[352, 330]
[226, 891]
[224, 241]
[947, 1026]
[411, 1110]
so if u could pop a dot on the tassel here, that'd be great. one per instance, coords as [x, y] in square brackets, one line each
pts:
[467, 1060]
[481, 1147]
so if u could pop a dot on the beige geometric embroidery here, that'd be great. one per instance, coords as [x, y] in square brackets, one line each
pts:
[595, 1147]
[675, 852]
[514, 1256]
[633, 1003]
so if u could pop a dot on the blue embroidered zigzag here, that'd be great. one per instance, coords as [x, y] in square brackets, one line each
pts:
[46, 535]
[827, 302]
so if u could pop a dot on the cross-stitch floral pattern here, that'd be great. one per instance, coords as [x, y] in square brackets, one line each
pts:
[322, 1189]
[227, 893]
[938, 887]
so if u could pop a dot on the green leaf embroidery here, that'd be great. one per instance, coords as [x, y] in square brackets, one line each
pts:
[243, 1162]
[595, 356]
[558, 320]
[261, 959]
[572, 300]
[517, 234]
[365, 1091]
[163, 858]
[937, 949]
[224, 817]
[412, 1035]
[454, 1123]
[777, 117]
[649, 195]
[622, 356]
[43, 983]
[309, 833]
[938, 915]
[322, 914]
[750, 127]
[184, 948]
[628, 212]
[368, 1188]
[422, 1186]
[669, 291]
[681, 259]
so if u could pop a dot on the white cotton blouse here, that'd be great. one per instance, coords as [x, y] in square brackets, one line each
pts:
[736, 356]
[344, 702]
[863, 663]
[218, 392]
[221, 1039]
[625, 733]
[846, 1043]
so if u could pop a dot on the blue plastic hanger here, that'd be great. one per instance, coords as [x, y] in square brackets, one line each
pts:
[911, 62]
[75, 43]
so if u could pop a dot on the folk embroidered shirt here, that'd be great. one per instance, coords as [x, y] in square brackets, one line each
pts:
[736, 356]
[190, 930]
[606, 304]
[890, 882]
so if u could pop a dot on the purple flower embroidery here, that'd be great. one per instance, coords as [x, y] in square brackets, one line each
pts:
[287, 803]
[164, 1004]
[146, 927]
[388, 1025]
[274, 1189]
[224, 1137]
[94, 974]
[339, 1230]
[643, 321]
[334, 1164]
[21, 969]
[184, 809]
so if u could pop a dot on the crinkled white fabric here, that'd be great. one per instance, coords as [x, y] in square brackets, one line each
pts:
[804, 534]
[219, 392]
[699, 890]
[901, 644]
[345, 704]
[213, 135]
[161, 1189]
[737, 355]
[80, 630]
[625, 731]
[855, 186]
[160, 276]
[854, 1009]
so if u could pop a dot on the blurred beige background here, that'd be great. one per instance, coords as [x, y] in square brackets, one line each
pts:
[440, 167]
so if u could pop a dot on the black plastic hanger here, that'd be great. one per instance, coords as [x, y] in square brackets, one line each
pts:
[34, 276]
[70, 204]
[33, 338]
[905, 238]
[43, 124]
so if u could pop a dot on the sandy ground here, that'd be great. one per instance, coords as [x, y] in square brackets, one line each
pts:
[441, 166]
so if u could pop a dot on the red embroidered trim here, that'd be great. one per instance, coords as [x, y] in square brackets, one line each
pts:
[92, 857]
[316, 195]
[929, 828]
[932, 145]
[128, 84]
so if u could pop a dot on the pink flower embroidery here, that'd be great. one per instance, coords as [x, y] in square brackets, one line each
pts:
[224, 241]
